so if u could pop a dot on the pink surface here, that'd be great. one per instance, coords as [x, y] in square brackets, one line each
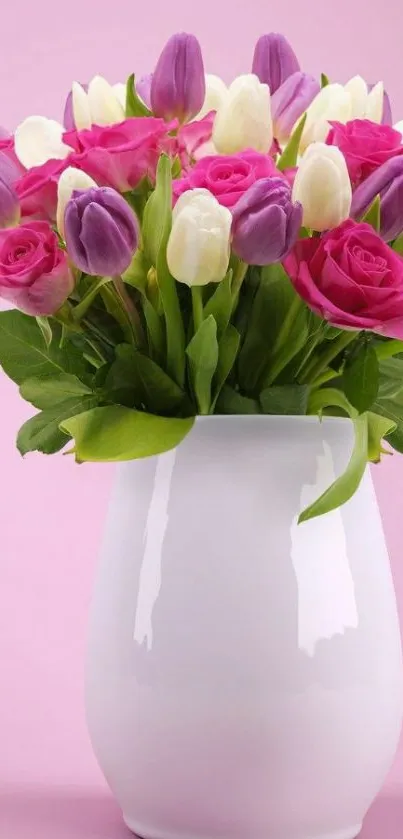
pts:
[51, 511]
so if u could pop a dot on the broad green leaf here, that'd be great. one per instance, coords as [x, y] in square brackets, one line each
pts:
[220, 304]
[346, 485]
[202, 353]
[395, 438]
[228, 347]
[42, 432]
[328, 398]
[361, 377]
[387, 349]
[115, 433]
[373, 214]
[135, 107]
[149, 386]
[46, 329]
[157, 217]
[378, 428]
[324, 80]
[285, 399]
[155, 332]
[24, 354]
[49, 391]
[232, 402]
[288, 159]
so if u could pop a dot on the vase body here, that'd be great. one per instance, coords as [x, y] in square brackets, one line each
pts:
[244, 675]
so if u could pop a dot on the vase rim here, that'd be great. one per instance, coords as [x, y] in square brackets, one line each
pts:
[291, 418]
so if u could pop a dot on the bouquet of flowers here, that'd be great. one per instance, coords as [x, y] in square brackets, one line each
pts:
[179, 247]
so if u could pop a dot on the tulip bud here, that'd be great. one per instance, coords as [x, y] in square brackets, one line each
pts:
[199, 244]
[143, 89]
[178, 84]
[375, 103]
[97, 103]
[399, 127]
[119, 90]
[37, 140]
[101, 231]
[322, 185]
[387, 181]
[265, 222]
[358, 91]
[68, 116]
[274, 60]
[387, 118]
[216, 94]
[290, 101]
[333, 102]
[243, 121]
[70, 180]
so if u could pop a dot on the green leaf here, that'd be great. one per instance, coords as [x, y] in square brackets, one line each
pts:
[398, 244]
[288, 159]
[361, 377]
[220, 304]
[328, 398]
[387, 349]
[373, 214]
[150, 386]
[135, 107]
[48, 391]
[115, 433]
[155, 332]
[378, 428]
[23, 352]
[82, 308]
[157, 219]
[136, 274]
[42, 432]
[46, 329]
[285, 399]
[232, 402]
[346, 485]
[324, 81]
[227, 352]
[202, 353]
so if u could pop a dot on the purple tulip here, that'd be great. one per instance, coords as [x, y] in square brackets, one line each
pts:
[387, 181]
[68, 117]
[290, 101]
[274, 60]
[265, 222]
[178, 84]
[143, 88]
[101, 231]
[9, 203]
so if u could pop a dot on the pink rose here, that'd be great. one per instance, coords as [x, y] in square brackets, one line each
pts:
[34, 272]
[193, 139]
[227, 177]
[351, 278]
[37, 189]
[365, 146]
[121, 155]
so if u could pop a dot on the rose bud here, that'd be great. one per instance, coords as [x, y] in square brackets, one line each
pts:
[290, 101]
[387, 181]
[199, 244]
[274, 60]
[178, 84]
[265, 222]
[244, 121]
[101, 231]
[322, 185]
[34, 272]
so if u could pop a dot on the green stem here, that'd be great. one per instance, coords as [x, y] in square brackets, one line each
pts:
[96, 350]
[131, 311]
[237, 280]
[283, 351]
[320, 364]
[197, 305]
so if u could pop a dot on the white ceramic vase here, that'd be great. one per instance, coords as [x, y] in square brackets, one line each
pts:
[244, 675]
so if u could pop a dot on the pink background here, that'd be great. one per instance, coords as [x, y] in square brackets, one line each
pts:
[51, 511]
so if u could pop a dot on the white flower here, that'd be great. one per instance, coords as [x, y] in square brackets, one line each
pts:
[199, 244]
[102, 105]
[38, 139]
[365, 104]
[216, 94]
[333, 102]
[243, 120]
[322, 185]
[399, 127]
[70, 180]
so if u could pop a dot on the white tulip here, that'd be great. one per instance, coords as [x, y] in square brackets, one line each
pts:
[216, 94]
[119, 90]
[322, 185]
[199, 244]
[70, 180]
[104, 104]
[374, 109]
[364, 104]
[333, 102]
[399, 127]
[80, 106]
[38, 139]
[243, 120]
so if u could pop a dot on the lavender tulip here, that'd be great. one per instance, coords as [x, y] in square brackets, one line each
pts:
[178, 84]
[387, 181]
[274, 60]
[9, 203]
[265, 222]
[290, 101]
[101, 231]
[143, 88]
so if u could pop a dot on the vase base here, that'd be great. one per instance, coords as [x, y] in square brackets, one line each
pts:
[145, 833]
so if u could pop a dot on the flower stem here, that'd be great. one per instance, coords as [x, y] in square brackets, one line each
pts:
[318, 365]
[130, 308]
[197, 305]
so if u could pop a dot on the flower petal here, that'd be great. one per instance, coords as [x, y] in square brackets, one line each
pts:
[38, 139]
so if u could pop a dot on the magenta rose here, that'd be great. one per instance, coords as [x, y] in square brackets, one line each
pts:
[120, 155]
[365, 146]
[193, 139]
[227, 177]
[351, 278]
[34, 272]
[37, 189]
